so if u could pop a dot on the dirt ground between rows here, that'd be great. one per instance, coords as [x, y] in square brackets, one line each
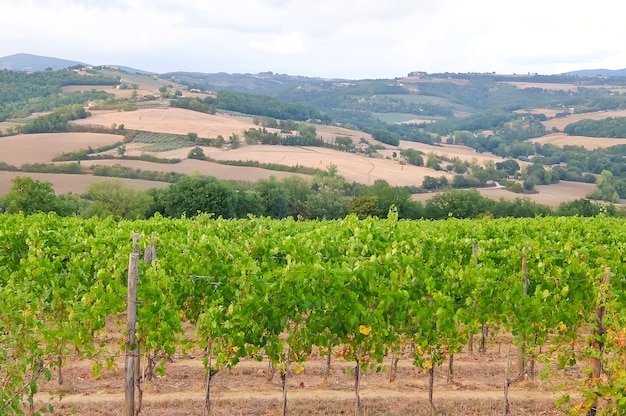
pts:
[477, 388]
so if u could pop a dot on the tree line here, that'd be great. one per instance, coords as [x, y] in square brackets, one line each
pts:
[326, 196]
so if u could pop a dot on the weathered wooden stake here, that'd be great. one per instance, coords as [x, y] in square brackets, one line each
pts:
[209, 378]
[597, 344]
[393, 369]
[357, 387]
[507, 384]
[450, 369]
[521, 358]
[328, 358]
[131, 345]
[283, 378]
[431, 388]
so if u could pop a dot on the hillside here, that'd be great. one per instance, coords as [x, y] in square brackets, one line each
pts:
[28, 62]
[427, 131]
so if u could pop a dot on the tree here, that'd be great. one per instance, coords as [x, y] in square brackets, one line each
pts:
[196, 153]
[432, 161]
[31, 196]
[412, 156]
[510, 166]
[196, 194]
[581, 207]
[605, 188]
[365, 206]
[457, 204]
[344, 143]
[235, 141]
[327, 205]
[219, 141]
[113, 198]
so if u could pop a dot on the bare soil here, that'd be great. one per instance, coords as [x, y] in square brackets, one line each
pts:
[562, 139]
[353, 167]
[172, 120]
[42, 148]
[77, 184]
[551, 195]
[450, 151]
[561, 122]
[192, 166]
[477, 388]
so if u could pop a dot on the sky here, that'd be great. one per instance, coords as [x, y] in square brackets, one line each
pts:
[353, 39]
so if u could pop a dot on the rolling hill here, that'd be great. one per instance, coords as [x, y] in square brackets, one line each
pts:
[28, 62]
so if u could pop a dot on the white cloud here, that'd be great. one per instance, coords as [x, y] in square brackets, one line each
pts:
[289, 44]
[348, 38]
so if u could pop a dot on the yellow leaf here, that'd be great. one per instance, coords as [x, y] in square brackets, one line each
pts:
[428, 365]
[365, 330]
[235, 349]
[298, 369]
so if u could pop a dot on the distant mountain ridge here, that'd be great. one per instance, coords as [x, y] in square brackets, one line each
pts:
[31, 63]
[599, 73]
[28, 62]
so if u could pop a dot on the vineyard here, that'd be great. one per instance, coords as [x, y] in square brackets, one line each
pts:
[161, 142]
[285, 292]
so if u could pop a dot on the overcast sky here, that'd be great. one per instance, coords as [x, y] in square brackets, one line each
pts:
[352, 39]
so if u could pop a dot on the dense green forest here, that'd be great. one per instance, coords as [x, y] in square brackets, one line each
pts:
[22, 93]
[608, 127]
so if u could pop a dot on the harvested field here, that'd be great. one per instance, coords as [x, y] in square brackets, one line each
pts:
[546, 86]
[172, 120]
[77, 184]
[331, 132]
[143, 90]
[551, 195]
[561, 122]
[548, 112]
[42, 148]
[449, 151]
[353, 167]
[5, 125]
[119, 93]
[590, 143]
[192, 166]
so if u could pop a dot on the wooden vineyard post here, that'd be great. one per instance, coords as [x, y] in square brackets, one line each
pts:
[521, 358]
[597, 344]
[209, 377]
[283, 379]
[131, 345]
[393, 369]
[327, 369]
[507, 384]
[431, 388]
[357, 387]
[450, 369]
